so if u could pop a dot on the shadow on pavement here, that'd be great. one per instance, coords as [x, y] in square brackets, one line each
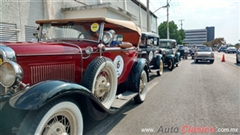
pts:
[111, 120]
[237, 64]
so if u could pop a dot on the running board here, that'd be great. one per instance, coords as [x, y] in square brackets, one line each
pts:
[122, 99]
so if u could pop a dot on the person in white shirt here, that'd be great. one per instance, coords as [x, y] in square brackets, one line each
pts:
[186, 52]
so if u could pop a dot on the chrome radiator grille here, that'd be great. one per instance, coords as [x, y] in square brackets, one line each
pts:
[51, 72]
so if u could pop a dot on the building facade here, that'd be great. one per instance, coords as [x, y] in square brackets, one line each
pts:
[199, 36]
[17, 21]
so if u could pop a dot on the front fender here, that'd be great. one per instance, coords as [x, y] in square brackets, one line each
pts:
[135, 74]
[39, 94]
[170, 56]
[177, 57]
[157, 61]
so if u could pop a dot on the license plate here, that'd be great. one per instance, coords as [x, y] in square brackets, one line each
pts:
[0, 61]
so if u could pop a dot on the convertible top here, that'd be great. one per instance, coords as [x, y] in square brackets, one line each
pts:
[127, 24]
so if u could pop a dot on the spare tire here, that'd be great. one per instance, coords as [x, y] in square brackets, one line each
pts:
[101, 78]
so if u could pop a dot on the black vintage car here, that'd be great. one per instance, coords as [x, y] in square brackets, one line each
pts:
[170, 56]
[149, 49]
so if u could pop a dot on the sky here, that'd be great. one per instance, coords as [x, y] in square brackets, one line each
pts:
[224, 15]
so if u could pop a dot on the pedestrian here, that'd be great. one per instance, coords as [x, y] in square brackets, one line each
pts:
[195, 51]
[186, 51]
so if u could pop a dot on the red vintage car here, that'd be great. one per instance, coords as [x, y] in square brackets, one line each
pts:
[69, 73]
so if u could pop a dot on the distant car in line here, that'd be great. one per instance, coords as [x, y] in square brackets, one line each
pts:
[204, 54]
[222, 49]
[231, 50]
[238, 56]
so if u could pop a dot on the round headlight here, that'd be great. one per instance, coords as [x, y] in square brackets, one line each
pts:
[10, 72]
[107, 36]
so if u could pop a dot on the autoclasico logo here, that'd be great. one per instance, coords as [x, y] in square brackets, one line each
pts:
[191, 129]
[187, 129]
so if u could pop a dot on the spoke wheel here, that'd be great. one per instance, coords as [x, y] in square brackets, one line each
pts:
[160, 71]
[101, 79]
[170, 64]
[142, 88]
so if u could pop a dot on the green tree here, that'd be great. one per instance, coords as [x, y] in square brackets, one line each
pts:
[174, 33]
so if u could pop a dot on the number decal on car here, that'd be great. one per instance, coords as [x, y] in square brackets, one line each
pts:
[150, 56]
[119, 64]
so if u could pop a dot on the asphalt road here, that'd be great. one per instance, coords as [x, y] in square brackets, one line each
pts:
[194, 98]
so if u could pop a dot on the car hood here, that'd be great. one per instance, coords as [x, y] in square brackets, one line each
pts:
[46, 48]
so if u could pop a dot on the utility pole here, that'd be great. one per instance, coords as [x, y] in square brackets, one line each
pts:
[181, 22]
[148, 28]
[167, 21]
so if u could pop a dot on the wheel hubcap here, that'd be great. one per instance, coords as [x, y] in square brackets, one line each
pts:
[58, 125]
[102, 86]
[142, 84]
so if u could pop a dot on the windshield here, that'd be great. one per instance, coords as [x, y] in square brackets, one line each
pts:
[83, 31]
[167, 44]
[204, 49]
[233, 48]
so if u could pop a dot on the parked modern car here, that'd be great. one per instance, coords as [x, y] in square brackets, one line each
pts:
[231, 50]
[149, 49]
[238, 56]
[204, 54]
[51, 86]
[222, 49]
[171, 57]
